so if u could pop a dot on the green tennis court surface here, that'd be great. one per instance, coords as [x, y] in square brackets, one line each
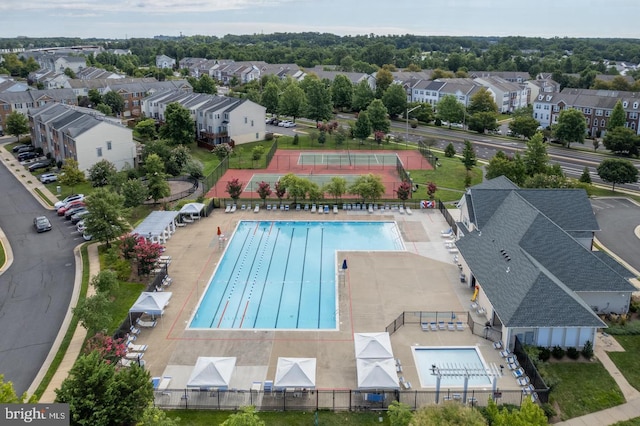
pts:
[352, 159]
[271, 179]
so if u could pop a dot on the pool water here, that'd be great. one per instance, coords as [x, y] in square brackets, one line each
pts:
[282, 275]
[452, 358]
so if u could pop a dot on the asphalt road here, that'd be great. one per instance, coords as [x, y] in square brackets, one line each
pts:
[36, 290]
[618, 217]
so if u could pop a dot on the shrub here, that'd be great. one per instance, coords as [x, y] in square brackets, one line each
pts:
[573, 353]
[414, 123]
[557, 352]
[549, 411]
[587, 350]
[296, 139]
[438, 122]
[450, 150]
[544, 354]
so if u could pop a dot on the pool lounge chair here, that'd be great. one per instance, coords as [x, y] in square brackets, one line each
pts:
[434, 326]
[424, 326]
[306, 207]
[243, 207]
[460, 326]
[146, 324]
[129, 362]
[256, 209]
[286, 207]
[498, 344]
[370, 209]
[326, 209]
[401, 209]
[408, 210]
[506, 353]
[134, 330]
[282, 207]
[451, 326]
[335, 209]
[136, 348]
[233, 208]
[441, 325]
[227, 210]
[349, 206]
[523, 381]
[344, 206]
[518, 373]
[313, 208]
[298, 207]
[134, 355]
[406, 384]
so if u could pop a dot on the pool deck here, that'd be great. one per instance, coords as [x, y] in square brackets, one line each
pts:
[377, 288]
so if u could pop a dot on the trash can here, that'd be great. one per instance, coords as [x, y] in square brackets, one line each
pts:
[59, 189]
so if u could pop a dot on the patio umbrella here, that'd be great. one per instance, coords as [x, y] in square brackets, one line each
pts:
[344, 264]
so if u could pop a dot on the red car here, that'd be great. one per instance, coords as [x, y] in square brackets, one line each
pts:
[64, 208]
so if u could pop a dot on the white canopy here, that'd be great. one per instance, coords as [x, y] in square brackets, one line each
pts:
[192, 208]
[156, 224]
[212, 372]
[152, 303]
[295, 373]
[377, 374]
[373, 345]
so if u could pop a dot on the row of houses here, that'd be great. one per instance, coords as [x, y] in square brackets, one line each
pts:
[596, 105]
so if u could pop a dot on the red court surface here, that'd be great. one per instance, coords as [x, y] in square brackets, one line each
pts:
[334, 163]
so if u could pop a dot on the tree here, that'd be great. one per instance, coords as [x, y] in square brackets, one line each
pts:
[71, 175]
[94, 97]
[234, 189]
[468, 156]
[157, 186]
[362, 129]
[270, 97]
[362, 96]
[93, 313]
[110, 349]
[134, 193]
[571, 127]
[100, 395]
[146, 129]
[377, 113]
[423, 113]
[154, 416]
[319, 106]
[294, 185]
[536, 159]
[17, 124]
[115, 101]
[280, 190]
[264, 190]
[342, 92]
[105, 281]
[368, 187]
[399, 414]
[404, 191]
[450, 150]
[146, 254]
[8, 394]
[257, 152]
[621, 140]
[448, 414]
[482, 101]
[450, 109]
[246, 417]
[585, 177]
[206, 85]
[179, 127]
[482, 121]
[431, 190]
[336, 187]
[293, 101]
[104, 108]
[104, 221]
[618, 117]
[524, 125]
[178, 159]
[617, 171]
[101, 172]
[529, 414]
[384, 78]
[222, 150]
[395, 100]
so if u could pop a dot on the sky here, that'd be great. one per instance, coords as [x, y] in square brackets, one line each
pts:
[120, 19]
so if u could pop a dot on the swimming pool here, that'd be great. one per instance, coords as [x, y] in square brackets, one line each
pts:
[456, 357]
[282, 274]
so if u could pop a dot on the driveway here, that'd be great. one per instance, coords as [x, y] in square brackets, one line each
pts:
[35, 291]
[618, 218]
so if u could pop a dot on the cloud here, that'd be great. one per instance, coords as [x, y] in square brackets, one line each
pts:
[147, 6]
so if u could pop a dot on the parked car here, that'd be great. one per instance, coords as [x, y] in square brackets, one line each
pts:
[80, 226]
[87, 237]
[71, 205]
[26, 148]
[24, 156]
[78, 216]
[18, 147]
[68, 199]
[70, 212]
[42, 224]
[48, 177]
[39, 165]
[289, 124]
[282, 123]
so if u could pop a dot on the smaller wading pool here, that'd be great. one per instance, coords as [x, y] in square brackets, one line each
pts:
[449, 357]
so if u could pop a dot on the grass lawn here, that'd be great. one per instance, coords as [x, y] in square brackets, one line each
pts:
[123, 299]
[288, 418]
[627, 362]
[583, 388]
[449, 178]
[3, 257]
[632, 422]
[306, 143]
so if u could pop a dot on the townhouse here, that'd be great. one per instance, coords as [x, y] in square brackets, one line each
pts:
[24, 100]
[596, 105]
[508, 95]
[82, 134]
[218, 119]
[431, 91]
[164, 61]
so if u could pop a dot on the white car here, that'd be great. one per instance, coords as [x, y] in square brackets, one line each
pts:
[80, 226]
[48, 177]
[284, 123]
[289, 124]
[70, 198]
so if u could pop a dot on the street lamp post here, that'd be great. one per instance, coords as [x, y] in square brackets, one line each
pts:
[406, 140]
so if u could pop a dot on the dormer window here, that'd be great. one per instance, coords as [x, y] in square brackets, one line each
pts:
[625, 104]
[635, 105]
[548, 98]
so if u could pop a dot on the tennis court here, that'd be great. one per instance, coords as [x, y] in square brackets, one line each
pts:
[347, 158]
[272, 178]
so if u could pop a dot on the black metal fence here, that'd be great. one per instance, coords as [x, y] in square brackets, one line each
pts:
[325, 399]
[272, 151]
[212, 178]
[424, 146]
[531, 371]
[447, 216]
[422, 317]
